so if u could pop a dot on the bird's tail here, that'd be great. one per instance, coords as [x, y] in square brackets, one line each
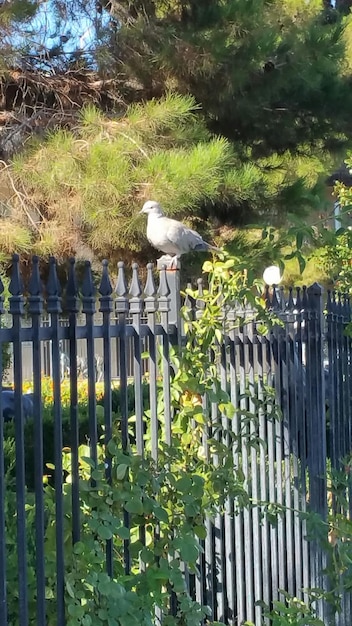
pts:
[206, 246]
[214, 248]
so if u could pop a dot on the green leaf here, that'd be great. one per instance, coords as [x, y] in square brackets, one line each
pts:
[120, 471]
[134, 506]
[161, 514]
[70, 589]
[184, 484]
[200, 531]
[88, 461]
[104, 532]
[123, 532]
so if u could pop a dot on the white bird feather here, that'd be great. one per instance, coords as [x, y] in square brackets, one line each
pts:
[170, 236]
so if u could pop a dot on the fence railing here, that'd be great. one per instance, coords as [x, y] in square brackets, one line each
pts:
[306, 361]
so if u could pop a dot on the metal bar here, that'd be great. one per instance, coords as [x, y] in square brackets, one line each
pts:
[88, 300]
[238, 567]
[227, 547]
[54, 308]
[271, 434]
[35, 309]
[254, 431]
[16, 310]
[150, 309]
[121, 304]
[288, 378]
[3, 593]
[72, 307]
[136, 306]
[263, 472]
[164, 307]
[105, 291]
[247, 522]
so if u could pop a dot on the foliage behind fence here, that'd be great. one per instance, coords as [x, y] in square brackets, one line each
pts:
[133, 511]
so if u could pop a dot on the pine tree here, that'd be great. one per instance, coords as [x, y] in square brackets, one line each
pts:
[270, 83]
[269, 76]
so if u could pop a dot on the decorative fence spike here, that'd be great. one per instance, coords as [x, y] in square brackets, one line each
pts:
[150, 288]
[200, 304]
[105, 290]
[121, 284]
[305, 302]
[135, 288]
[72, 288]
[163, 285]
[281, 298]
[189, 301]
[105, 287]
[275, 300]
[329, 301]
[290, 301]
[1, 297]
[53, 289]
[53, 285]
[267, 296]
[35, 283]
[88, 290]
[35, 298]
[16, 286]
[298, 299]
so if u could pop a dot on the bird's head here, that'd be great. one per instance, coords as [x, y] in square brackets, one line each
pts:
[151, 207]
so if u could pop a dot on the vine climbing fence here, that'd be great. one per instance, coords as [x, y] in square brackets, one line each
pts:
[303, 431]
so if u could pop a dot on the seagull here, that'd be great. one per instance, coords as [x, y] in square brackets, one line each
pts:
[170, 236]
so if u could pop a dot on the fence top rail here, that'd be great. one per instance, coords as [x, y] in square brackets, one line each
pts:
[142, 294]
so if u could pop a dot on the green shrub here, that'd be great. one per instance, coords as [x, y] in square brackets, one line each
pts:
[49, 428]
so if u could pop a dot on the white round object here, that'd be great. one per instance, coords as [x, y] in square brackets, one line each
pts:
[272, 275]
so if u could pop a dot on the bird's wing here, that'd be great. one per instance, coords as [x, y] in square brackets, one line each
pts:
[182, 237]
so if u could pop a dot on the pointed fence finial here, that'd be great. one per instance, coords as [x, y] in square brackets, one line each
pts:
[105, 287]
[290, 301]
[334, 302]
[189, 300]
[163, 286]
[121, 284]
[35, 284]
[88, 290]
[298, 299]
[2, 310]
[200, 304]
[53, 289]
[329, 306]
[267, 296]
[346, 306]
[150, 291]
[150, 288]
[281, 298]
[275, 300]
[135, 288]
[121, 302]
[105, 290]
[136, 302]
[163, 292]
[35, 298]
[304, 297]
[72, 288]
[16, 286]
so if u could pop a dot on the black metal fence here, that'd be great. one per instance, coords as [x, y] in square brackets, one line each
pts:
[307, 361]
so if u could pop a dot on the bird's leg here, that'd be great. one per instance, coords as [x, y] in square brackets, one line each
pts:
[174, 261]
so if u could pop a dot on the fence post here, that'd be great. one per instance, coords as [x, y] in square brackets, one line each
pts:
[317, 420]
[316, 428]
[173, 281]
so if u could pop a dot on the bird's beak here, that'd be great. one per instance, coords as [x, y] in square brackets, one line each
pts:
[140, 212]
